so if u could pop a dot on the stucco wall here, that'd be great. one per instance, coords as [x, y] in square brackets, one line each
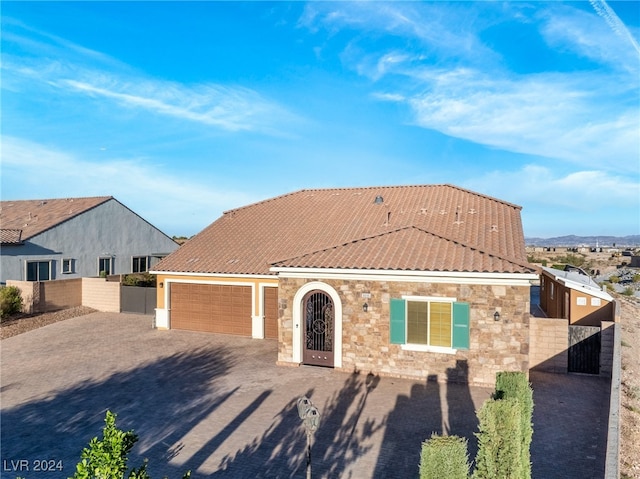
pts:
[494, 346]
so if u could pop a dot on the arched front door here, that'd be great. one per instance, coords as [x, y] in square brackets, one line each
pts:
[318, 329]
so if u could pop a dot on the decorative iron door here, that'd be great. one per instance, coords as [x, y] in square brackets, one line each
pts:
[318, 328]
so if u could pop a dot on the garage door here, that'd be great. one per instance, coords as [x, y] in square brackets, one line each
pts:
[271, 313]
[211, 308]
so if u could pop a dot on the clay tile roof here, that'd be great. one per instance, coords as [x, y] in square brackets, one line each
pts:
[409, 249]
[10, 236]
[456, 228]
[32, 217]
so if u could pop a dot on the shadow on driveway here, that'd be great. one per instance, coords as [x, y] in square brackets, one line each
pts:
[219, 406]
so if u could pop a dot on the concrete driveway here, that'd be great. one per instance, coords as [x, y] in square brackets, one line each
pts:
[219, 406]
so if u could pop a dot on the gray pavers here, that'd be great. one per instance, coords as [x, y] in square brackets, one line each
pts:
[219, 406]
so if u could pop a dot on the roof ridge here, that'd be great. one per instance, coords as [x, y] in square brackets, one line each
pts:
[396, 230]
[369, 188]
[68, 198]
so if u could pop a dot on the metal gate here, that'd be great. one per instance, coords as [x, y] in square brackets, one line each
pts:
[584, 349]
[136, 299]
[318, 329]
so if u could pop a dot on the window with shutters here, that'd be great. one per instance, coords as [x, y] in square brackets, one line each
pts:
[429, 324]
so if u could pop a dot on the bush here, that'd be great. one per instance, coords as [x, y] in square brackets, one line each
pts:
[107, 458]
[145, 280]
[499, 440]
[444, 457]
[514, 384]
[10, 301]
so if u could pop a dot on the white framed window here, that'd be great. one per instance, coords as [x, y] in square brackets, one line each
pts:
[429, 324]
[596, 302]
[104, 266]
[38, 270]
[581, 301]
[140, 264]
[67, 265]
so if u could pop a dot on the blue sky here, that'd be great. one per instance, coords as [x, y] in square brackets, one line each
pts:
[184, 110]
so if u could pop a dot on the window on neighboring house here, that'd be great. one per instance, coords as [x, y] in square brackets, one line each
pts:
[430, 323]
[139, 264]
[104, 266]
[67, 265]
[38, 270]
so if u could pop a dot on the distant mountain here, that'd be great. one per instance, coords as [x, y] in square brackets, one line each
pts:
[572, 240]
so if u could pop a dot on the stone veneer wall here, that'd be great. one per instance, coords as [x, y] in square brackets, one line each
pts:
[494, 346]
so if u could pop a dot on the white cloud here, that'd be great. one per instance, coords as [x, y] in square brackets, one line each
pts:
[176, 204]
[545, 115]
[232, 109]
[583, 190]
[223, 107]
[602, 8]
[55, 65]
[455, 84]
[585, 202]
[570, 29]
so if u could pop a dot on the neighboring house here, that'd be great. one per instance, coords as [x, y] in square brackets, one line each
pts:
[417, 281]
[575, 296]
[67, 238]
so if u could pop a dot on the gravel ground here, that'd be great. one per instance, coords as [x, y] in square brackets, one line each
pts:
[26, 322]
[630, 411]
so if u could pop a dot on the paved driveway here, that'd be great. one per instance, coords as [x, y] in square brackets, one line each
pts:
[219, 406]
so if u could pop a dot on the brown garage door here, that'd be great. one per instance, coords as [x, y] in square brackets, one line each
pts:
[211, 308]
[271, 313]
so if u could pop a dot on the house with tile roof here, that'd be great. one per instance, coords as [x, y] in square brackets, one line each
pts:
[415, 281]
[65, 238]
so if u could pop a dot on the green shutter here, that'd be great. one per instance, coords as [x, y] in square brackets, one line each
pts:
[397, 325]
[460, 325]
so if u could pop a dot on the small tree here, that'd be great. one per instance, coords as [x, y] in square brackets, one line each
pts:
[106, 458]
[10, 301]
[499, 440]
[514, 384]
[444, 457]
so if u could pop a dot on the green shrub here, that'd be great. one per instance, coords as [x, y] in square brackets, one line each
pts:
[514, 384]
[499, 440]
[145, 280]
[627, 291]
[444, 457]
[636, 278]
[614, 279]
[106, 458]
[10, 301]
